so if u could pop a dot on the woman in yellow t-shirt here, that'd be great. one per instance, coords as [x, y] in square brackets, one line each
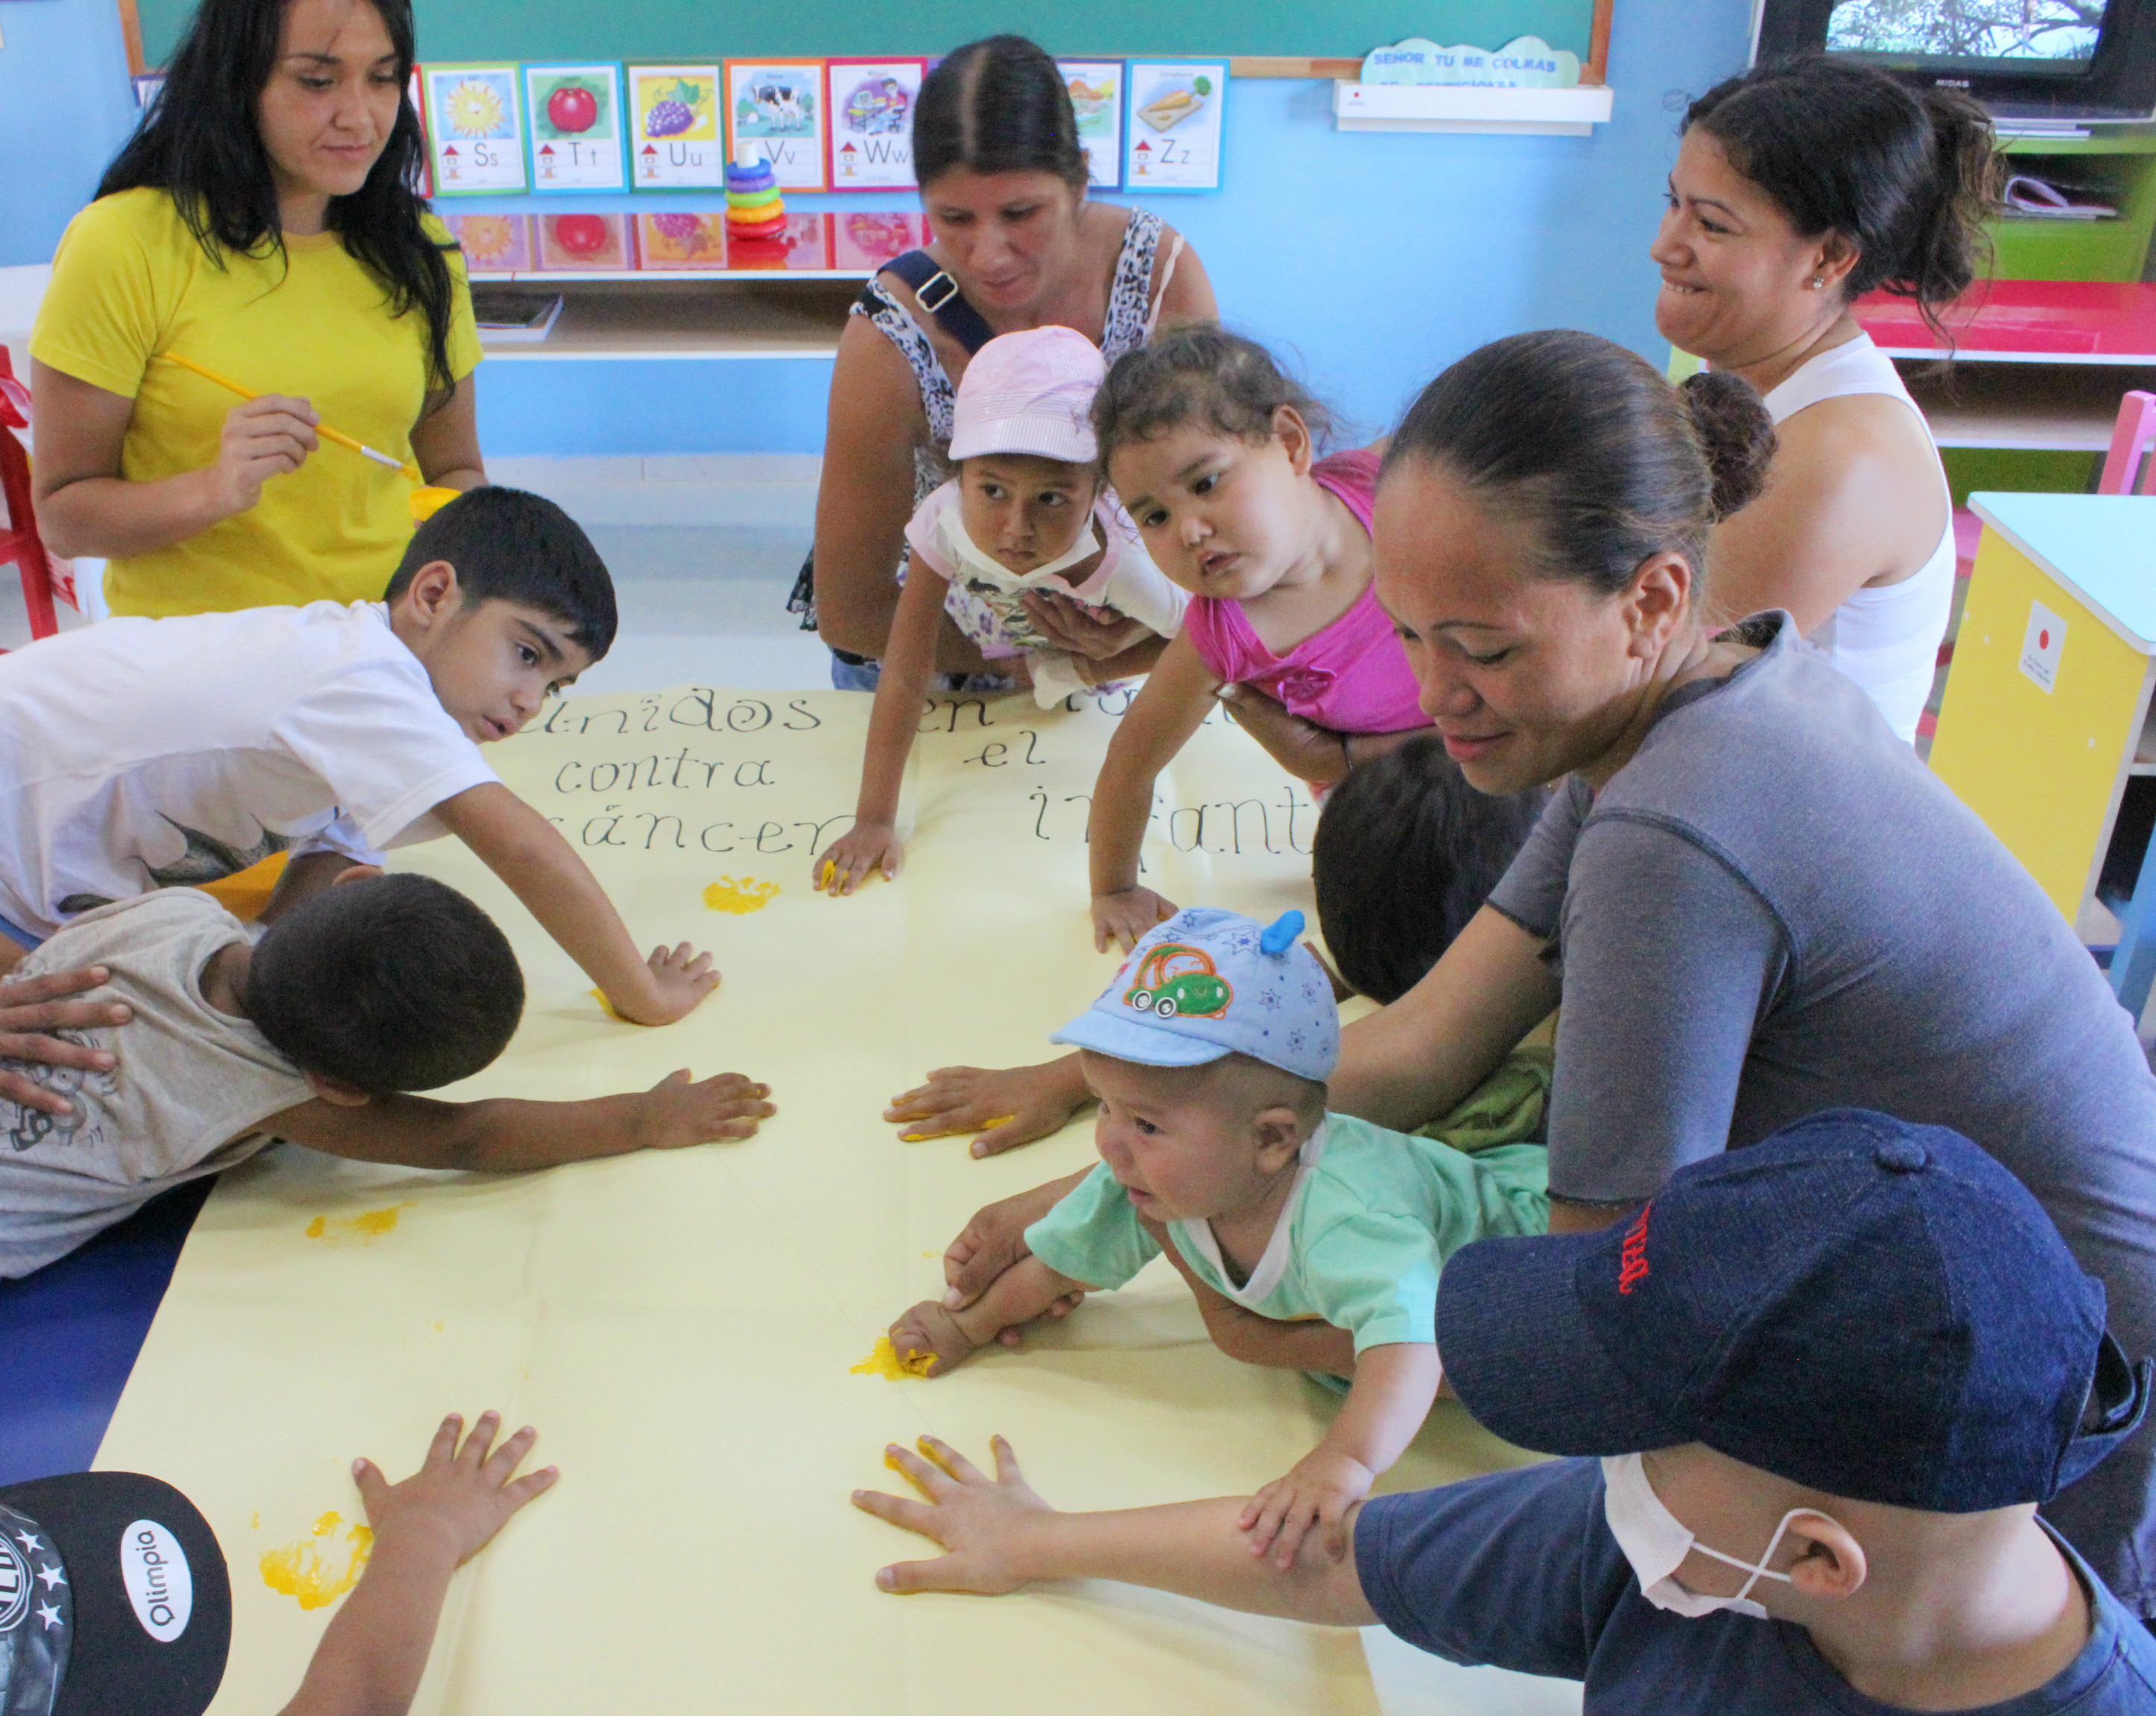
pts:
[262, 222]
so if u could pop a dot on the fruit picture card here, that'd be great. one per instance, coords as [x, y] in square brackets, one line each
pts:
[872, 112]
[586, 242]
[674, 131]
[1173, 125]
[1097, 97]
[776, 106]
[576, 129]
[475, 125]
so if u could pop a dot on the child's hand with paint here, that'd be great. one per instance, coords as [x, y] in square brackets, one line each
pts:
[371, 1658]
[1007, 1107]
[864, 850]
[928, 1330]
[679, 1114]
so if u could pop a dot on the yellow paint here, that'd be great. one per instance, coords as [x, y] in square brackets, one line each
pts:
[258, 1519]
[739, 897]
[957, 1131]
[606, 1006]
[830, 870]
[884, 1361]
[2040, 768]
[365, 1227]
[321, 1567]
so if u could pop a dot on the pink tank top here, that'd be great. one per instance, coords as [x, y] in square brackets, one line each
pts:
[1351, 676]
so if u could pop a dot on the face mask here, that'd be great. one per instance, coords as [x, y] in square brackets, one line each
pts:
[1655, 1542]
[998, 573]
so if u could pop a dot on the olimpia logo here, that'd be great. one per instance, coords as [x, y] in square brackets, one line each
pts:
[160, 1584]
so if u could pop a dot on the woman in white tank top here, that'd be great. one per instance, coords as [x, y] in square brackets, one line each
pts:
[1798, 188]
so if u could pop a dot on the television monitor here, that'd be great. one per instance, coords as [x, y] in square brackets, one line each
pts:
[2036, 59]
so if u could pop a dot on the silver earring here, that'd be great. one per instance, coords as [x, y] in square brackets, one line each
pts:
[1817, 282]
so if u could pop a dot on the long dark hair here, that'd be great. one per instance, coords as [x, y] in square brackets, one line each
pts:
[1907, 179]
[1606, 461]
[998, 105]
[202, 143]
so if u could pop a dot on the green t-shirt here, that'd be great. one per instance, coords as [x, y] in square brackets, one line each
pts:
[1372, 1218]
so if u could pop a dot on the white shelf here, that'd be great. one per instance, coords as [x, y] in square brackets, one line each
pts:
[760, 317]
[2028, 406]
[1469, 107]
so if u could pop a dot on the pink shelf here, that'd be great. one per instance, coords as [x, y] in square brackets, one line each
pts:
[2024, 321]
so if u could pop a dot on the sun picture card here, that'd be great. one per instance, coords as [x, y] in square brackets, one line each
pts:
[866, 239]
[575, 128]
[1172, 125]
[1096, 98]
[775, 107]
[675, 129]
[493, 244]
[585, 243]
[871, 107]
[474, 128]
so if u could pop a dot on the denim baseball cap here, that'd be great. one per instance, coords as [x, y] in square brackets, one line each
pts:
[1210, 983]
[1868, 1307]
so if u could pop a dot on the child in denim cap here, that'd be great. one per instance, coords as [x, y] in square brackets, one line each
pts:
[1813, 1396]
[1208, 1053]
[1027, 517]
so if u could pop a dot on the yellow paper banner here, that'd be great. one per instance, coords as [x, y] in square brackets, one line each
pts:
[683, 1328]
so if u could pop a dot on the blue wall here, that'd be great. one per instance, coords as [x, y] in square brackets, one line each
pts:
[1376, 258]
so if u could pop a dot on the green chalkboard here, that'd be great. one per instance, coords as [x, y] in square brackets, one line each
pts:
[693, 29]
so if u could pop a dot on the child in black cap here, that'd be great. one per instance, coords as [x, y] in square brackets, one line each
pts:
[1814, 1394]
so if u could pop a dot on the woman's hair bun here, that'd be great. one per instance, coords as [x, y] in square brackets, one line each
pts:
[1735, 433]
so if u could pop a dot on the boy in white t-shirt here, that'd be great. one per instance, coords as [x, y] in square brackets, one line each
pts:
[1028, 518]
[371, 988]
[141, 753]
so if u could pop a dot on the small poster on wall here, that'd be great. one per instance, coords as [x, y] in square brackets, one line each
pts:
[863, 240]
[1097, 97]
[579, 242]
[775, 107]
[872, 112]
[576, 127]
[1174, 126]
[493, 244]
[674, 130]
[476, 124]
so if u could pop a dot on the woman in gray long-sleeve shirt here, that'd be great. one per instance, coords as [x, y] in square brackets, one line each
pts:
[1751, 901]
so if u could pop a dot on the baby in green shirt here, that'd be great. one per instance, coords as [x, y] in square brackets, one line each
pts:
[1208, 1053]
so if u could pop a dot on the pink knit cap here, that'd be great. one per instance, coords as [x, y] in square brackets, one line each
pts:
[1030, 393]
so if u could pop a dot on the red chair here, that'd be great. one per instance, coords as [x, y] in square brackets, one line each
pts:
[2133, 436]
[42, 578]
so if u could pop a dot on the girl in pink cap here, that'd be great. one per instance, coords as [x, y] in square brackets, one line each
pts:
[1214, 451]
[1027, 515]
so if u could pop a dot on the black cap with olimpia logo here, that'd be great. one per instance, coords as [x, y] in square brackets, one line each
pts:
[113, 1596]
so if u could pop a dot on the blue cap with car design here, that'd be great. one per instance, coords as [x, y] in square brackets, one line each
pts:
[1209, 983]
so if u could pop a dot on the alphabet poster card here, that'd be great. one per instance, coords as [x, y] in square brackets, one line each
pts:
[871, 113]
[1174, 126]
[777, 107]
[576, 127]
[476, 123]
[674, 133]
[1097, 97]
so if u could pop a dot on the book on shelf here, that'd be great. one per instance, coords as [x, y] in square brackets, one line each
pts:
[502, 314]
